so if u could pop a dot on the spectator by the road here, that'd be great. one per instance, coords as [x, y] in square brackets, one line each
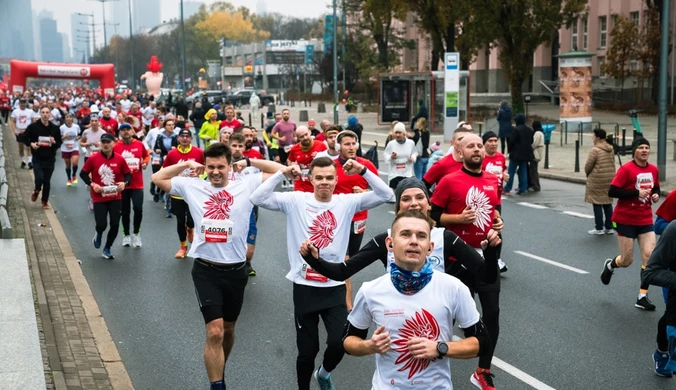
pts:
[390, 135]
[313, 130]
[181, 107]
[422, 113]
[255, 103]
[400, 155]
[356, 127]
[520, 153]
[600, 170]
[197, 116]
[538, 152]
[421, 137]
[505, 125]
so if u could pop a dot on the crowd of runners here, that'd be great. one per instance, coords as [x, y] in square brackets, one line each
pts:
[443, 247]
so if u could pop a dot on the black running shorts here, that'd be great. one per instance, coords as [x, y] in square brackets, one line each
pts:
[219, 289]
[632, 231]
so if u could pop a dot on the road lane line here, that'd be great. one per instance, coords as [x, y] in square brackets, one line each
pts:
[552, 262]
[391, 212]
[533, 205]
[579, 215]
[515, 372]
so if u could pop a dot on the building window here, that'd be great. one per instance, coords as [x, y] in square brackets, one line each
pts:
[602, 61]
[634, 17]
[585, 29]
[574, 37]
[633, 65]
[603, 31]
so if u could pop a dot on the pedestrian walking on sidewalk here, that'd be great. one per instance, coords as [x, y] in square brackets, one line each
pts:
[538, 151]
[44, 138]
[520, 153]
[600, 170]
[505, 125]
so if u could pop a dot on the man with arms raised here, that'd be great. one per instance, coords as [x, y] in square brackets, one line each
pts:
[221, 210]
[414, 308]
[320, 217]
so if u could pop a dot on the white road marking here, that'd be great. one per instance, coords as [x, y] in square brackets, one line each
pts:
[391, 212]
[533, 205]
[579, 215]
[552, 262]
[515, 372]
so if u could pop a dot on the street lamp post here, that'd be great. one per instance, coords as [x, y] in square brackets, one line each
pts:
[103, 8]
[131, 50]
[91, 25]
[183, 51]
[335, 66]
[662, 101]
[116, 46]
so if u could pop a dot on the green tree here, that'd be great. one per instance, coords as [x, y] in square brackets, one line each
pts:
[623, 43]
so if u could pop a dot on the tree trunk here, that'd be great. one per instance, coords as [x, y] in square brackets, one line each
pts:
[516, 92]
[450, 37]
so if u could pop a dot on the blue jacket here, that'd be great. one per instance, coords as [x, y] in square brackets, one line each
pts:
[505, 122]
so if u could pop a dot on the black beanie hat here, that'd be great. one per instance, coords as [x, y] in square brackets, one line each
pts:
[638, 142]
[409, 182]
[488, 135]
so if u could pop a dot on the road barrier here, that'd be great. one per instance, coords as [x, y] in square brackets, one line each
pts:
[5, 225]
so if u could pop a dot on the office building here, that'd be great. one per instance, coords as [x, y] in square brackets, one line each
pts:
[81, 48]
[17, 40]
[50, 39]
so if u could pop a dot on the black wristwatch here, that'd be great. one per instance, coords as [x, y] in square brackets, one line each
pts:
[248, 162]
[363, 171]
[442, 349]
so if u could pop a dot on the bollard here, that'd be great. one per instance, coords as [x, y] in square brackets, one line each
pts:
[310, 102]
[303, 117]
[480, 129]
[249, 119]
[272, 108]
[321, 108]
[547, 156]
[634, 137]
[577, 156]
[566, 123]
[262, 121]
[624, 140]
[579, 135]
[293, 103]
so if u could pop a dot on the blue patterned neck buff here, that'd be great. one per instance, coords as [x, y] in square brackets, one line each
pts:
[408, 282]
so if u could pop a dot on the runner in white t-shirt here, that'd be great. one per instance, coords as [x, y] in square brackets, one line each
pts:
[413, 308]
[21, 118]
[70, 153]
[325, 219]
[221, 209]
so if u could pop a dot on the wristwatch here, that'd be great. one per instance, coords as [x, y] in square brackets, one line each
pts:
[363, 171]
[442, 349]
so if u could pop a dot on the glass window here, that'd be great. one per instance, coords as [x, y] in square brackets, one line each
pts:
[585, 28]
[603, 31]
[602, 61]
[574, 36]
[634, 17]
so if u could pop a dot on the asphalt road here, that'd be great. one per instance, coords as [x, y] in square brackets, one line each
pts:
[560, 328]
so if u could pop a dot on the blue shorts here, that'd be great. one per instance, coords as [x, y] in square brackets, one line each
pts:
[253, 230]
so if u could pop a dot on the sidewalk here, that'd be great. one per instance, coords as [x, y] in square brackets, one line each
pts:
[77, 350]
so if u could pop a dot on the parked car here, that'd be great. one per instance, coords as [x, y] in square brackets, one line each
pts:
[241, 97]
[213, 97]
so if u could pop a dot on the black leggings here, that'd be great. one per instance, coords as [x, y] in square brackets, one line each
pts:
[183, 218]
[490, 308]
[101, 212]
[43, 170]
[504, 141]
[5, 116]
[130, 197]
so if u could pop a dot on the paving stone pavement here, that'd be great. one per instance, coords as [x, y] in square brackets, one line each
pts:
[70, 352]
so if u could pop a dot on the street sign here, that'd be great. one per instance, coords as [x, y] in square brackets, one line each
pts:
[451, 93]
[328, 33]
[309, 54]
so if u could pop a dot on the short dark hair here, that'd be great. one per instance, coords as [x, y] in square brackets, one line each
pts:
[322, 162]
[414, 214]
[43, 106]
[217, 150]
[347, 134]
[168, 120]
[237, 137]
[600, 133]
[287, 110]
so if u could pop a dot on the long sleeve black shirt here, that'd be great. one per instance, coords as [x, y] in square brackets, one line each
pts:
[36, 130]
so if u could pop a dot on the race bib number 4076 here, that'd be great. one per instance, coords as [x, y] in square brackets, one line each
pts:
[216, 230]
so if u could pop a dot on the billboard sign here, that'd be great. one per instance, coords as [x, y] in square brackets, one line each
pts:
[395, 101]
[451, 93]
[575, 103]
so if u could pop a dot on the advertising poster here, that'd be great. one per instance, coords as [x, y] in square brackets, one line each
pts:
[575, 103]
[395, 101]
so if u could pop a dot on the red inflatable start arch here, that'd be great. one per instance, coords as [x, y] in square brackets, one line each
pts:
[20, 70]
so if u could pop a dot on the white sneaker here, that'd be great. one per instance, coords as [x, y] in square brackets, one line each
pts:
[609, 231]
[502, 266]
[126, 241]
[136, 241]
[596, 232]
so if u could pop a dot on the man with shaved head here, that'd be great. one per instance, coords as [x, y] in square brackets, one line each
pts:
[465, 202]
[302, 154]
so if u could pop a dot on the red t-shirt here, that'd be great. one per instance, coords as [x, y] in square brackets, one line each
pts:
[347, 182]
[106, 172]
[233, 125]
[83, 112]
[176, 156]
[443, 167]
[460, 189]
[667, 209]
[304, 159]
[135, 154]
[320, 137]
[252, 154]
[4, 103]
[109, 125]
[635, 211]
[495, 164]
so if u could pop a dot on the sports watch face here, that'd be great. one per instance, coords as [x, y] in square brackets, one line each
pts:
[442, 348]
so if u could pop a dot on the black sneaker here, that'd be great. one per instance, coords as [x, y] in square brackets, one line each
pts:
[644, 304]
[23, 164]
[250, 270]
[606, 274]
[30, 165]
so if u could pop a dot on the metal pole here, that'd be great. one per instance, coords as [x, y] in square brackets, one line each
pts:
[344, 36]
[131, 50]
[673, 62]
[185, 88]
[335, 65]
[105, 37]
[577, 155]
[662, 112]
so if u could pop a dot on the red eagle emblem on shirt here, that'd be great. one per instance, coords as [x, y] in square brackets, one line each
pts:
[422, 324]
[218, 205]
[322, 229]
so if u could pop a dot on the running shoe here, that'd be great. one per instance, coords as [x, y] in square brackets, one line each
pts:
[609, 231]
[595, 232]
[30, 165]
[507, 193]
[324, 383]
[156, 197]
[606, 274]
[661, 361]
[182, 252]
[250, 270]
[502, 266]
[126, 241]
[34, 196]
[169, 215]
[69, 183]
[75, 180]
[644, 304]
[45, 205]
[23, 164]
[107, 254]
[136, 241]
[483, 379]
[97, 241]
[190, 234]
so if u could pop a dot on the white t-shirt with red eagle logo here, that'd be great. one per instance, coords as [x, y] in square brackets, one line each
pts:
[327, 224]
[221, 216]
[428, 313]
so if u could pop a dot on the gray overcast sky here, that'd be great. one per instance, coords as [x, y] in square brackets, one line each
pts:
[62, 10]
